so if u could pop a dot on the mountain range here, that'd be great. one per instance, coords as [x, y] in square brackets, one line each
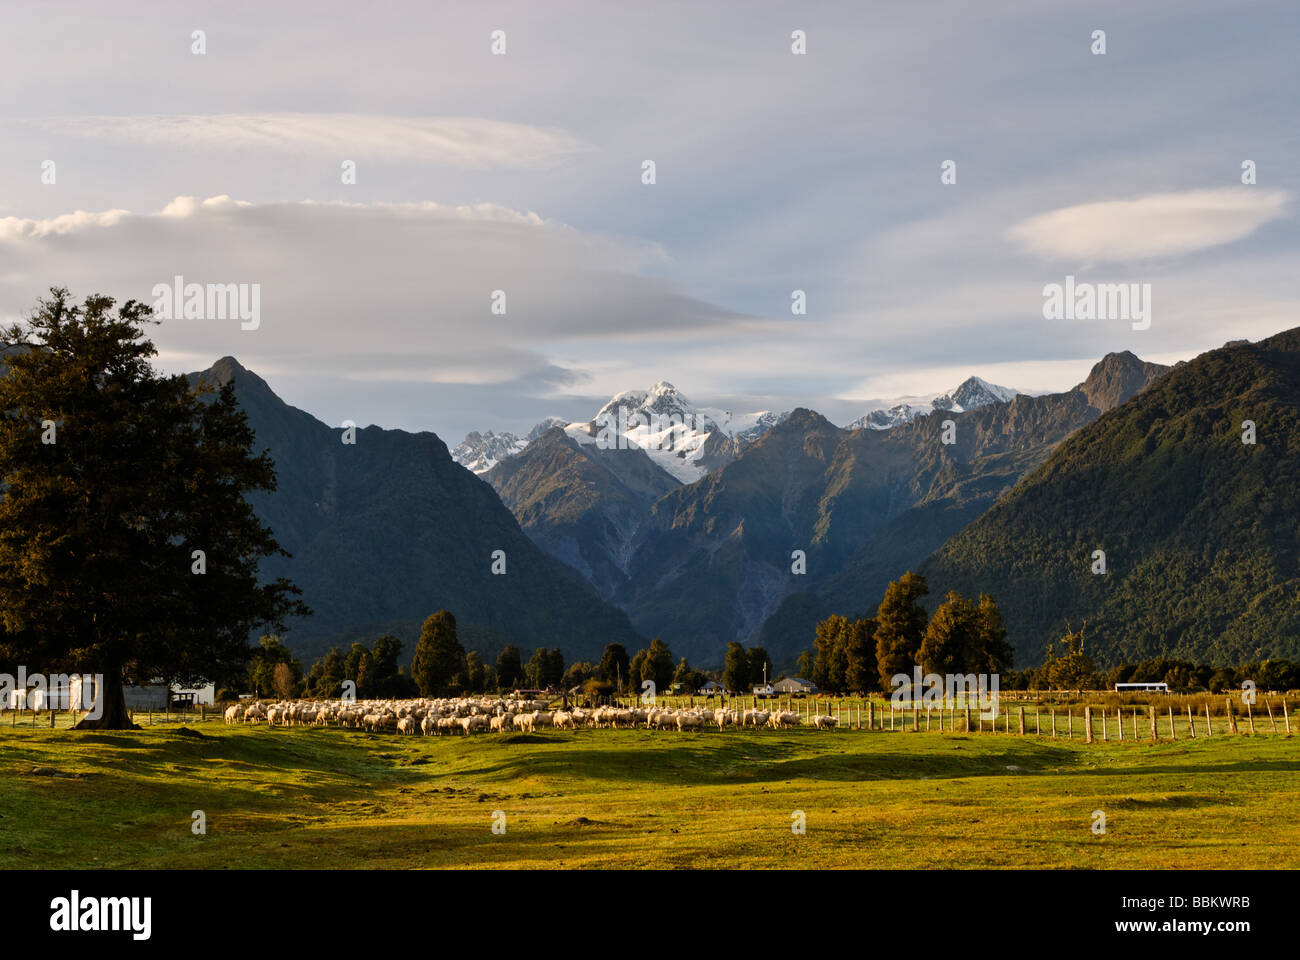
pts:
[792, 518]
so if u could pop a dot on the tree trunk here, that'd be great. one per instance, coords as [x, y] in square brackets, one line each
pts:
[110, 703]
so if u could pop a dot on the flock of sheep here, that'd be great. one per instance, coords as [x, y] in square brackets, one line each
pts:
[469, 715]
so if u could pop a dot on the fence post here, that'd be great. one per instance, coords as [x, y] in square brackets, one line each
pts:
[1053, 723]
[916, 714]
[1173, 734]
[1071, 715]
[1250, 715]
[968, 718]
[1022, 721]
[1151, 714]
[1271, 721]
[1191, 721]
[1087, 724]
[1119, 721]
[871, 714]
[1209, 726]
[1232, 718]
[1286, 716]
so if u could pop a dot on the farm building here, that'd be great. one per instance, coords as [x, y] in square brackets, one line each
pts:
[711, 688]
[794, 685]
[158, 696]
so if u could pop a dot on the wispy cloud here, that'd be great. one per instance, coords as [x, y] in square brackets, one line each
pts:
[466, 142]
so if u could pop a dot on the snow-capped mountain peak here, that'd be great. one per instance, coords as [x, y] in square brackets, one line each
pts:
[686, 441]
[971, 393]
[480, 452]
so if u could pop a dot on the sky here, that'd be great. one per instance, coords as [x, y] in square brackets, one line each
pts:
[136, 152]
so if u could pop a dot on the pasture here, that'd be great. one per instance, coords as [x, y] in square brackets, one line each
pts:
[344, 798]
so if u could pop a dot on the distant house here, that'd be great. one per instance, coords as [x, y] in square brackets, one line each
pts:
[712, 688]
[794, 685]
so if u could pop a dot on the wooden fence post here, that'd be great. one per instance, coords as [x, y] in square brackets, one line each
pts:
[1022, 721]
[1173, 734]
[1286, 716]
[1191, 721]
[1105, 735]
[1151, 714]
[871, 714]
[1209, 725]
[1232, 718]
[1119, 721]
[1272, 722]
[916, 715]
[1250, 715]
[968, 718]
[1087, 724]
[1038, 727]
[1053, 723]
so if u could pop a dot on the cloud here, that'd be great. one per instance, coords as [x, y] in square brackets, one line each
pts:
[371, 292]
[466, 142]
[1156, 225]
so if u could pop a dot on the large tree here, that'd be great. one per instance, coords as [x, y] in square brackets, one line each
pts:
[735, 669]
[995, 654]
[439, 663]
[860, 670]
[900, 627]
[760, 665]
[127, 545]
[831, 642]
[510, 670]
[614, 663]
[952, 643]
[659, 666]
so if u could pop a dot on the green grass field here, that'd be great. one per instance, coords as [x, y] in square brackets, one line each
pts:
[636, 798]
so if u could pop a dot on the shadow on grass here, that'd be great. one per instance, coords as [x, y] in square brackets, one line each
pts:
[695, 760]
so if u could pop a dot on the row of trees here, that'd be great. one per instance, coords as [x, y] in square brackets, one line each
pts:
[1067, 666]
[964, 636]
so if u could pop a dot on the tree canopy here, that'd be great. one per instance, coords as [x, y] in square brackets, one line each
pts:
[127, 545]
